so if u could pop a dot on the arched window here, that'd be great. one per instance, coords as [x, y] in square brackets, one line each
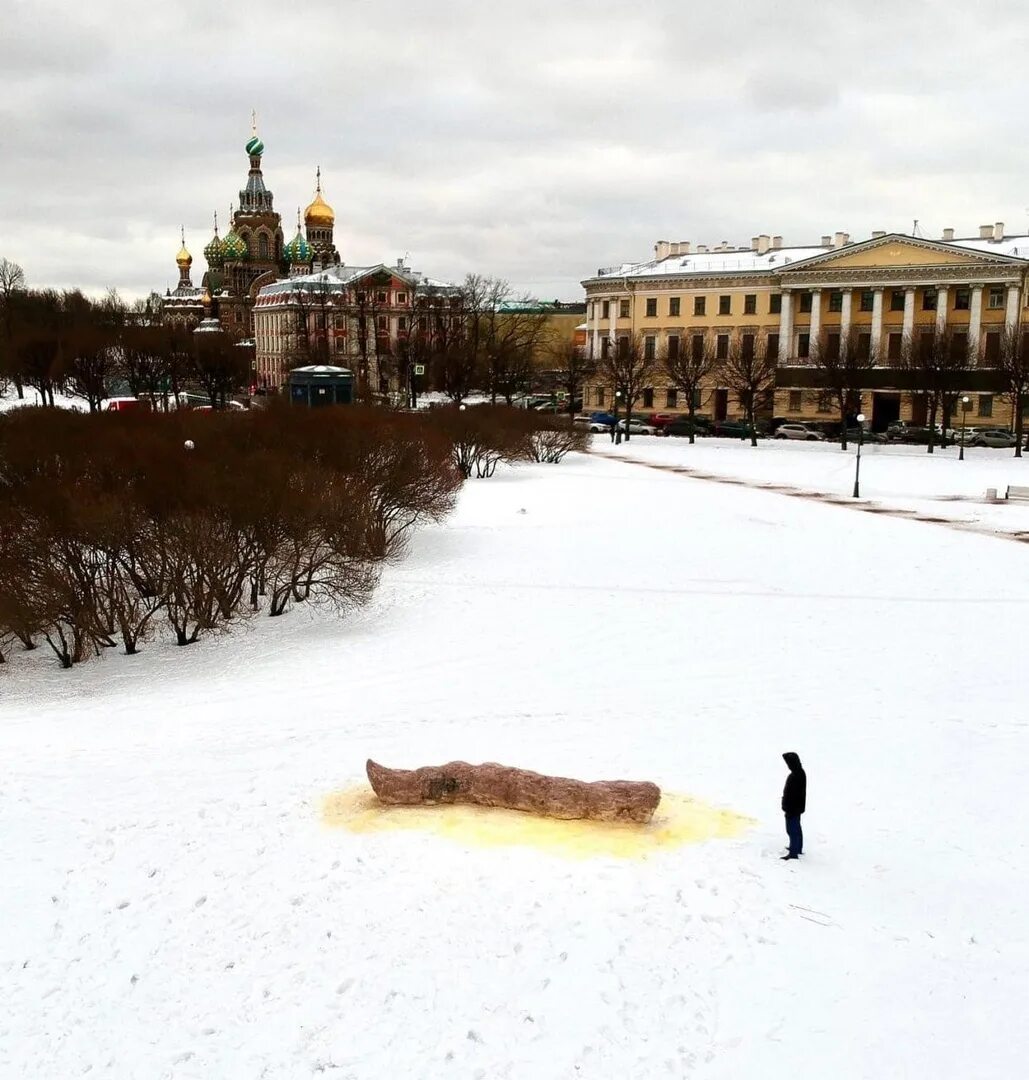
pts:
[262, 246]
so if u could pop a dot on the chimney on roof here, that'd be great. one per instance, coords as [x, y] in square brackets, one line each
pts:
[998, 231]
[753, 243]
[776, 242]
[764, 242]
[840, 238]
[684, 247]
[985, 232]
[878, 234]
[826, 240]
[662, 249]
[701, 249]
[948, 235]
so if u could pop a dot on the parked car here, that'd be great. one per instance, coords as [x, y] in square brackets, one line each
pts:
[637, 427]
[798, 431]
[595, 427]
[731, 429]
[661, 419]
[995, 437]
[602, 418]
[683, 426]
[908, 433]
[126, 404]
[865, 435]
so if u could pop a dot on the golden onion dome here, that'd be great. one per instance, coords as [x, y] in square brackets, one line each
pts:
[319, 212]
[184, 258]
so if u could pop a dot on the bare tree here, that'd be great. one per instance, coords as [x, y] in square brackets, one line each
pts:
[12, 281]
[572, 367]
[749, 375]
[687, 371]
[939, 362]
[843, 360]
[307, 339]
[630, 369]
[1014, 369]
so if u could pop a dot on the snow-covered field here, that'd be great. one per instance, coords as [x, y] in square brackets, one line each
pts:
[894, 477]
[172, 903]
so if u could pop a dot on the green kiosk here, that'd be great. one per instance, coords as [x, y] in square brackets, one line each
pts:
[321, 384]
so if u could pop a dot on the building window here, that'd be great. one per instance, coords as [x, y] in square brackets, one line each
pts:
[673, 347]
[864, 346]
[986, 404]
[824, 401]
[340, 344]
[673, 307]
[339, 323]
[605, 348]
[775, 304]
[401, 297]
[991, 352]
[239, 315]
[725, 305]
[605, 309]
[959, 348]
[867, 300]
[747, 347]
[832, 346]
[835, 300]
[803, 346]
[600, 395]
[894, 346]
[961, 299]
[382, 323]
[750, 304]
[623, 348]
[423, 324]
[805, 303]
[772, 347]
[896, 300]
[796, 400]
[671, 398]
[402, 323]
[996, 299]
[651, 307]
[262, 246]
[697, 346]
[928, 299]
[700, 305]
[380, 298]
[623, 309]
[722, 347]
[648, 398]
[649, 347]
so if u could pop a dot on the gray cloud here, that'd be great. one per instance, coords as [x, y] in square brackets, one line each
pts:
[536, 141]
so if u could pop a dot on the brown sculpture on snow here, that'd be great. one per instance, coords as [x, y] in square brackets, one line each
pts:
[516, 789]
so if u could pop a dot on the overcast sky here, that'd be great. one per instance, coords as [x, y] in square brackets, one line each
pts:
[530, 141]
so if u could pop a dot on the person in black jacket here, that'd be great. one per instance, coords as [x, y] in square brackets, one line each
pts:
[794, 802]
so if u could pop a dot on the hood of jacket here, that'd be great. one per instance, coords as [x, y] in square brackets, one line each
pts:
[792, 760]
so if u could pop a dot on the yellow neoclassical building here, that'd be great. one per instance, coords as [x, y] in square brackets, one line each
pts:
[882, 295]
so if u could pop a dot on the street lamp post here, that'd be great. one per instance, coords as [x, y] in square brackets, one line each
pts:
[617, 431]
[857, 464]
[964, 412]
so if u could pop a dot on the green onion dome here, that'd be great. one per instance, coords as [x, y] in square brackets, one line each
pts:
[298, 250]
[255, 147]
[214, 252]
[234, 246]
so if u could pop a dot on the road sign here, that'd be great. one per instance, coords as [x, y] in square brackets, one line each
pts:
[419, 369]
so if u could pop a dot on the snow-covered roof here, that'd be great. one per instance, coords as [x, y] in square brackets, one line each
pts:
[1016, 247]
[337, 278]
[739, 260]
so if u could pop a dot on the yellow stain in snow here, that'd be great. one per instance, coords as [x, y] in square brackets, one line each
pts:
[678, 820]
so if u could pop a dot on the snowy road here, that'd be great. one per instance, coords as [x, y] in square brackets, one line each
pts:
[173, 905]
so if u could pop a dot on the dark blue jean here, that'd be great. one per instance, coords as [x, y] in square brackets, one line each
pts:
[796, 835]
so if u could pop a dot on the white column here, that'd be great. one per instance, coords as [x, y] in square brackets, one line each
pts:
[975, 322]
[909, 314]
[877, 323]
[595, 339]
[816, 320]
[612, 322]
[786, 327]
[845, 313]
[941, 308]
[1011, 315]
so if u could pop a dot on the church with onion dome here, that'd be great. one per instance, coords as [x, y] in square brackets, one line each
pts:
[252, 254]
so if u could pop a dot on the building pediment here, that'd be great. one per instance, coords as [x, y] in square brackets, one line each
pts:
[895, 251]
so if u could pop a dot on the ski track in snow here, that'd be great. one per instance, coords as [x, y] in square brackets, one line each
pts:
[174, 907]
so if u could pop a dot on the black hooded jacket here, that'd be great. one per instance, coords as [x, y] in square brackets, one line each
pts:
[794, 794]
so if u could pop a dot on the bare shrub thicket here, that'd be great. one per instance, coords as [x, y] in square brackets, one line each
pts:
[482, 436]
[110, 526]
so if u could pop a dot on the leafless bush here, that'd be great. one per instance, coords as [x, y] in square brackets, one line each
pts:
[553, 439]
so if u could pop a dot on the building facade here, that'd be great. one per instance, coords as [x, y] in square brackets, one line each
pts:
[884, 298]
[375, 320]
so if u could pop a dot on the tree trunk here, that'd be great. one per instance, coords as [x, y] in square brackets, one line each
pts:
[693, 421]
[843, 421]
[1019, 423]
[932, 426]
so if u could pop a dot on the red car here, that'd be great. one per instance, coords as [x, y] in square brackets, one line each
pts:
[661, 419]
